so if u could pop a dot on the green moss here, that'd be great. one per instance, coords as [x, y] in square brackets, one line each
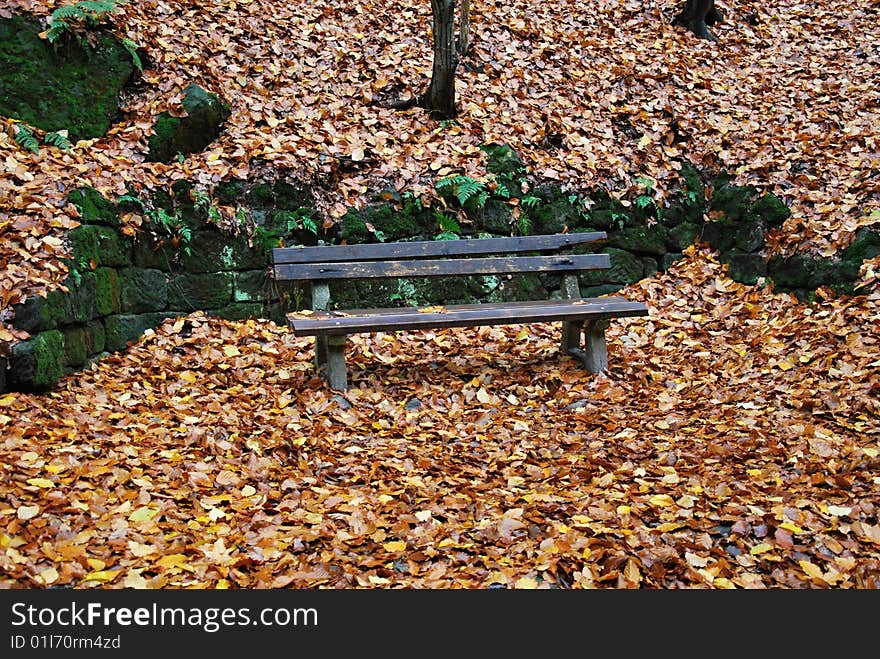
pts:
[127, 328]
[62, 87]
[36, 364]
[203, 123]
[93, 207]
[75, 346]
[96, 337]
[502, 159]
[772, 210]
[190, 292]
[143, 290]
[33, 316]
[108, 295]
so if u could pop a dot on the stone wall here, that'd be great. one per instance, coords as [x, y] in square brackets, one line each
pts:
[121, 285]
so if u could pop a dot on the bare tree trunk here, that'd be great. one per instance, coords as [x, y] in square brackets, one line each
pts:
[695, 15]
[464, 35]
[440, 97]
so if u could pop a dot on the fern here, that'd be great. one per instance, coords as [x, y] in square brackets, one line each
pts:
[524, 224]
[310, 225]
[530, 201]
[464, 188]
[132, 49]
[25, 138]
[59, 139]
[449, 227]
[88, 12]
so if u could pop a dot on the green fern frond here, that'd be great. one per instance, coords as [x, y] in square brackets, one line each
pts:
[68, 11]
[524, 224]
[501, 190]
[310, 225]
[132, 49]
[25, 138]
[58, 139]
[530, 201]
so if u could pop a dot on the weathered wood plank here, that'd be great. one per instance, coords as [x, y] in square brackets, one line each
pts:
[434, 248]
[443, 267]
[465, 315]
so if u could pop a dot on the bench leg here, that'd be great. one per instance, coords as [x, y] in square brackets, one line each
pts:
[594, 354]
[320, 352]
[336, 374]
[571, 335]
[595, 350]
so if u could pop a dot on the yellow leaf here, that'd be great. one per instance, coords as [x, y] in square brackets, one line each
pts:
[172, 560]
[231, 351]
[811, 570]
[760, 549]
[661, 500]
[222, 584]
[385, 498]
[794, 528]
[139, 549]
[394, 546]
[102, 575]
[187, 376]
[526, 583]
[96, 563]
[423, 515]
[49, 575]
[143, 514]
[580, 520]
[40, 482]
[721, 582]
[248, 491]
[27, 512]
[4, 419]
[379, 581]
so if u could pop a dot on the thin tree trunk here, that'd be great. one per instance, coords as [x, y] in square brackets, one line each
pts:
[440, 97]
[464, 36]
[694, 16]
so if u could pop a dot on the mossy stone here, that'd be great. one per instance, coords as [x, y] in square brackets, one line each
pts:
[213, 251]
[746, 268]
[62, 85]
[147, 252]
[669, 258]
[75, 346]
[93, 207]
[496, 218]
[108, 293]
[4, 387]
[291, 197]
[99, 245]
[81, 300]
[240, 311]
[641, 239]
[801, 272]
[865, 245]
[502, 159]
[772, 210]
[442, 290]
[143, 290]
[33, 315]
[36, 364]
[600, 290]
[251, 286]
[734, 202]
[749, 236]
[122, 329]
[683, 235]
[626, 268]
[206, 114]
[96, 337]
[200, 291]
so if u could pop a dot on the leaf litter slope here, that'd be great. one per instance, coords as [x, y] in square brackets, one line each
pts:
[733, 443]
[591, 93]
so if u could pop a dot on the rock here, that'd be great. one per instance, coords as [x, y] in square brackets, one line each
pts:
[192, 292]
[36, 364]
[124, 328]
[93, 207]
[502, 159]
[206, 114]
[746, 268]
[143, 290]
[63, 85]
[33, 315]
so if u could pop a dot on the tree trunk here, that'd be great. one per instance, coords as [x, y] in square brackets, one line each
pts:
[695, 15]
[464, 35]
[440, 97]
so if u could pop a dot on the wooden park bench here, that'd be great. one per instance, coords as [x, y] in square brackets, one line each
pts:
[443, 258]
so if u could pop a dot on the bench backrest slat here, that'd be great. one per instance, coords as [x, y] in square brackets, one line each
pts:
[433, 248]
[441, 267]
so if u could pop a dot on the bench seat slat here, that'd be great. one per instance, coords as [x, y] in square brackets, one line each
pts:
[442, 267]
[463, 315]
[434, 248]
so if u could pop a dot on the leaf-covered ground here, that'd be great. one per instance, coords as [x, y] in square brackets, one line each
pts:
[590, 93]
[733, 443]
